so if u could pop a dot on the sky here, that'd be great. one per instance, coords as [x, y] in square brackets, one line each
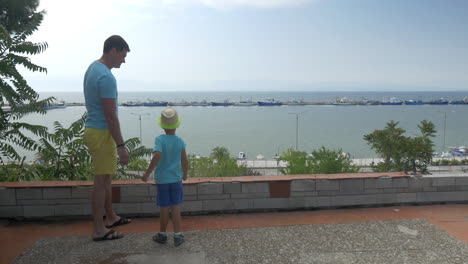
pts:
[226, 45]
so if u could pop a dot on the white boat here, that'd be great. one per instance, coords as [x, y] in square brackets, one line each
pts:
[392, 101]
[224, 103]
[260, 157]
[241, 156]
[245, 103]
[446, 155]
[131, 103]
[300, 102]
[460, 151]
[202, 103]
[183, 103]
[55, 106]
[6, 109]
[344, 101]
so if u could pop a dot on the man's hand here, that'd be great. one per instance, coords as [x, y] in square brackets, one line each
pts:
[123, 155]
[185, 177]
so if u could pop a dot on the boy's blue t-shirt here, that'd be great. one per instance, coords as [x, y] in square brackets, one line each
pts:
[99, 82]
[169, 168]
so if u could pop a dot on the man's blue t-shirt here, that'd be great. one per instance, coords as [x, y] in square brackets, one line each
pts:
[169, 169]
[99, 82]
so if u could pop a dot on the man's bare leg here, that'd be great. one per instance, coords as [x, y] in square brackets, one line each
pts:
[97, 204]
[111, 216]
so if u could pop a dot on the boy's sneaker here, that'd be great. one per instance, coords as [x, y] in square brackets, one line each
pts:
[160, 238]
[179, 240]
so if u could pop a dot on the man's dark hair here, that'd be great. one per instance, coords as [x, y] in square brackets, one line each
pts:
[117, 42]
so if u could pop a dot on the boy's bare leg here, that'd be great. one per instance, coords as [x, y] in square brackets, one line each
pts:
[176, 218]
[97, 204]
[163, 218]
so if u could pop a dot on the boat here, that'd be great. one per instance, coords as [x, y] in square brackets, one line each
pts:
[440, 101]
[245, 103]
[445, 155]
[183, 103]
[295, 103]
[131, 103]
[241, 156]
[155, 103]
[202, 103]
[414, 102]
[6, 109]
[392, 101]
[460, 151]
[269, 102]
[344, 102]
[373, 102]
[55, 106]
[363, 101]
[225, 103]
[459, 102]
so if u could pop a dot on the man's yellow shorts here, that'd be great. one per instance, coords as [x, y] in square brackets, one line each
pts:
[103, 150]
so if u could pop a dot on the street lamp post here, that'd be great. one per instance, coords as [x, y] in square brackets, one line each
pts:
[139, 118]
[445, 128]
[297, 127]
[445, 125]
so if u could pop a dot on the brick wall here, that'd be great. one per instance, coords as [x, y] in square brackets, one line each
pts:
[236, 194]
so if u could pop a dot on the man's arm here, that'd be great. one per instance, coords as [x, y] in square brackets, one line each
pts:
[108, 105]
[185, 164]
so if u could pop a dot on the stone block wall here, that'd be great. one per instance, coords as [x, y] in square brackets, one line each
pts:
[236, 194]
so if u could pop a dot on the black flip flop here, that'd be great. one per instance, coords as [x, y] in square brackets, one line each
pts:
[108, 236]
[121, 221]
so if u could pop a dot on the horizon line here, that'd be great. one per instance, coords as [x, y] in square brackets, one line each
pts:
[142, 91]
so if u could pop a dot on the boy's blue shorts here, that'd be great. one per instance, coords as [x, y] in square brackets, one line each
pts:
[169, 194]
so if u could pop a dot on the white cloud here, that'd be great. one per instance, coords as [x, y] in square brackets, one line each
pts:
[231, 4]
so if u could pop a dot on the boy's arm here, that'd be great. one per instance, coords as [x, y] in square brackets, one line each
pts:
[185, 164]
[152, 165]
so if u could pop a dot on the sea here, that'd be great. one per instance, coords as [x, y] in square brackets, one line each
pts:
[272, 130]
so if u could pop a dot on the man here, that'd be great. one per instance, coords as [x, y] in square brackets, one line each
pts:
[102, 135]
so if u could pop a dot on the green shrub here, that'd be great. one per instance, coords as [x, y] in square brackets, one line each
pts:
[397, 150]
[218, 164]
[321, 161]
[137, 165]
[444, 162]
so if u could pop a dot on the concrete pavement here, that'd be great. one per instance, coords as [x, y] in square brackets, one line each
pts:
[409, 234]
[396, 241]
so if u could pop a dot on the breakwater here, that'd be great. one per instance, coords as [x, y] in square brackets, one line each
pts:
[277, 103]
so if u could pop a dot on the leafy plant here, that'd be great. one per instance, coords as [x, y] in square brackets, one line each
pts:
[218, 164]
[135, 153]
[15, 15]
[19, 172]
[137, 165]
[14, 89]
[398, 150]
[63, 153]
[321, 161]
[296, 162]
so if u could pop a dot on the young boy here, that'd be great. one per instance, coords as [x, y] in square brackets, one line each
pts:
[169, 155]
